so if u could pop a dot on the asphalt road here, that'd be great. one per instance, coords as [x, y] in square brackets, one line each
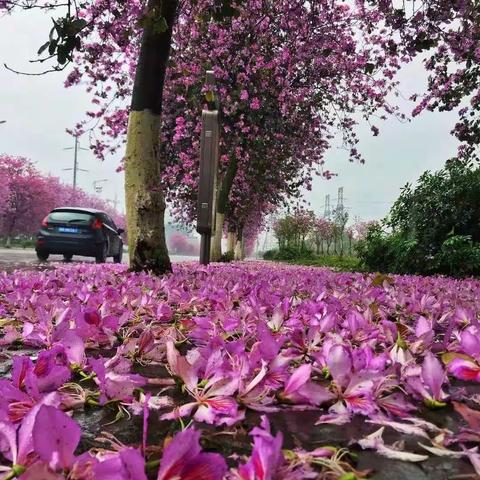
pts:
[19, 258]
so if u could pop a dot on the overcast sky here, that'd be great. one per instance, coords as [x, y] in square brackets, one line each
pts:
[39, 109]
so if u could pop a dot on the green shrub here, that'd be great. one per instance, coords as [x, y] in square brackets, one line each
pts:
[269, 254]
[394, 253]
[343, 263]
[29, 243]
[374, 249]
[289, 254]
[227, 257]
[435, 226]
[379, 251]
[458, 256]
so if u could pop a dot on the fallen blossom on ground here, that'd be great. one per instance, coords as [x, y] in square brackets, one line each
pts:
[204, 349]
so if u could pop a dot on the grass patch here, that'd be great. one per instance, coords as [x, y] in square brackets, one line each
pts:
[344, 263]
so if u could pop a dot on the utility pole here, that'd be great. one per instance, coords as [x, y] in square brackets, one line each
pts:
[75, 168]
[114, 202]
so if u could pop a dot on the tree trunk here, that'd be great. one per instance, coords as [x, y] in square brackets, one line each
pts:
[239, 247]
[216, 250]
[8, 242]
[221, 208]
[239, 250]
[145, 201]
[231, 241]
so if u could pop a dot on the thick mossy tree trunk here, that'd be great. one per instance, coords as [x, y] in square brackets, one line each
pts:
[222, 207]
[145, 201]
[239, 246]
[231, 241]
[216, 249]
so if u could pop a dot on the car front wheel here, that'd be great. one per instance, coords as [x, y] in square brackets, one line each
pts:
[42, 255]
[68, 257]
[102, 256]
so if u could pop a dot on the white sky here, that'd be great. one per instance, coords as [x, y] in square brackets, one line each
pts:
[39, 109]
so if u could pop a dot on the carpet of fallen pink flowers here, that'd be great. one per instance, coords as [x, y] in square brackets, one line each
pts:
[209, 356]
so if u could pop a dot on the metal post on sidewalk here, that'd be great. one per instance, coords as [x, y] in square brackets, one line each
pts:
[209, 143]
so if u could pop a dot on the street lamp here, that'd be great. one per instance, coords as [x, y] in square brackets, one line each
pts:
[98, 188]
[209, 142]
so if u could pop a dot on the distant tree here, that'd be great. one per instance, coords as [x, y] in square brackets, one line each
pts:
[340, 219]
[29, 197]
[180, 244]
[322, 233]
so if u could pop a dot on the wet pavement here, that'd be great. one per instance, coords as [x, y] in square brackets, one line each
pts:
[99, 426]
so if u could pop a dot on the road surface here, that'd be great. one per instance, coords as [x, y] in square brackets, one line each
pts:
[26, 258]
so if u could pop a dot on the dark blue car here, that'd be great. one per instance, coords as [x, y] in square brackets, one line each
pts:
[87, 232]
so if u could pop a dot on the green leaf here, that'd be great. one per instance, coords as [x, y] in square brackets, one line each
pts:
[62, 54]
[401, 342]
[43, 48]
[449, 356]
[52, 31]
[79, 24]
[369, 67]
[52, 47]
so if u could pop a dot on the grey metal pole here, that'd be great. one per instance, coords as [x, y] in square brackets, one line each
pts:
[209, 144]
[205, 241]
[75, 166]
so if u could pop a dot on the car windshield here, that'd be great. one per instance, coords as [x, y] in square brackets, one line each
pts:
[70, 217]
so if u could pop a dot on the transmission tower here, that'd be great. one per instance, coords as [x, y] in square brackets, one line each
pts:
[340, 205]
[327, 212]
